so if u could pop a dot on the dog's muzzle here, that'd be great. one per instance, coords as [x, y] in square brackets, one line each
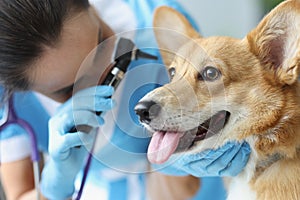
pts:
[166, 142]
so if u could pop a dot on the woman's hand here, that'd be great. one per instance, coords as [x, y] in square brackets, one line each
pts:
[68, 147]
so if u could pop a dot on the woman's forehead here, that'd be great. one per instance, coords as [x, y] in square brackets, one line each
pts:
[58, 65]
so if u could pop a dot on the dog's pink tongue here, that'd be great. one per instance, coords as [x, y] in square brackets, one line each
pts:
[162, 146]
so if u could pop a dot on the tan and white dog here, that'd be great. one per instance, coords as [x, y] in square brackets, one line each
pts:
[225, 89]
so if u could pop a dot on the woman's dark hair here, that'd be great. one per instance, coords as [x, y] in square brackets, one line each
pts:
[26, 27]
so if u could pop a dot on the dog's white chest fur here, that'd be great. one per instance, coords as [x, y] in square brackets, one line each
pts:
[239, 189]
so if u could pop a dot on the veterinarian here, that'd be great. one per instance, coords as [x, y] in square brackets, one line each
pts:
[43, 44]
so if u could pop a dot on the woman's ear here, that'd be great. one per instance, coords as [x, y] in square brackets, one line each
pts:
[172, 30]
[275, 41]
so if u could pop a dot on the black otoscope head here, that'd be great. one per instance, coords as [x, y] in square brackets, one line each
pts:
[126, 51]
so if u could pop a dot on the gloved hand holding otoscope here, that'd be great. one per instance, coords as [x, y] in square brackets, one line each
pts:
[74, 125]
[125, 51]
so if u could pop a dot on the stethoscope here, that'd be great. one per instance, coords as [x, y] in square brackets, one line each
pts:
[10, 117]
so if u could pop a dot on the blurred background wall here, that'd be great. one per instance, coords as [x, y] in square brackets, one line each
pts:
[233, 18]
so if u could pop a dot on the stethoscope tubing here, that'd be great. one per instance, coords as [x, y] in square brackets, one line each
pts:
[11, 118]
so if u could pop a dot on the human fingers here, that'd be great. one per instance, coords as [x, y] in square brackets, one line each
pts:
[207, 157]
[224, 158]
[99, 90]
[61, 147]
[65, 122]
[210, 162]
[238, 162]
[79, 138]
[93, 100]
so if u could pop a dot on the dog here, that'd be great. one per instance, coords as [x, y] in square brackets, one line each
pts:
[224, 89]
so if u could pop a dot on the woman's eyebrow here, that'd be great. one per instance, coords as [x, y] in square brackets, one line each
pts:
[76, 84]
[64, 90]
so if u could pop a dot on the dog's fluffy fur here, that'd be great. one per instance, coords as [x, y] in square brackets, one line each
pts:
[255, 80]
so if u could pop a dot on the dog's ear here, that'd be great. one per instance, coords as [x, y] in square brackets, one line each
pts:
[275, 41]
[172, 30]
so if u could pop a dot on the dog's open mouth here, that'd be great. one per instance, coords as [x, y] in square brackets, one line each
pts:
[164, 143]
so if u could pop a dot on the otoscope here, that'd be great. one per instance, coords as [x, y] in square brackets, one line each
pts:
[125, 52]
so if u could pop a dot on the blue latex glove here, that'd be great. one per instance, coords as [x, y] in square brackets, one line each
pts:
[66, 157]
[228, 160]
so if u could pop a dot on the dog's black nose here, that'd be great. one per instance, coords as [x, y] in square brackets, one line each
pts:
[147, 110]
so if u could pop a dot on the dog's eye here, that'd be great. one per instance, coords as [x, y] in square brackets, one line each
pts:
[209, 74]
[172, 72]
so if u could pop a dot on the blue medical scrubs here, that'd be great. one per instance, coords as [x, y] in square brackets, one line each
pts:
[29, 108]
